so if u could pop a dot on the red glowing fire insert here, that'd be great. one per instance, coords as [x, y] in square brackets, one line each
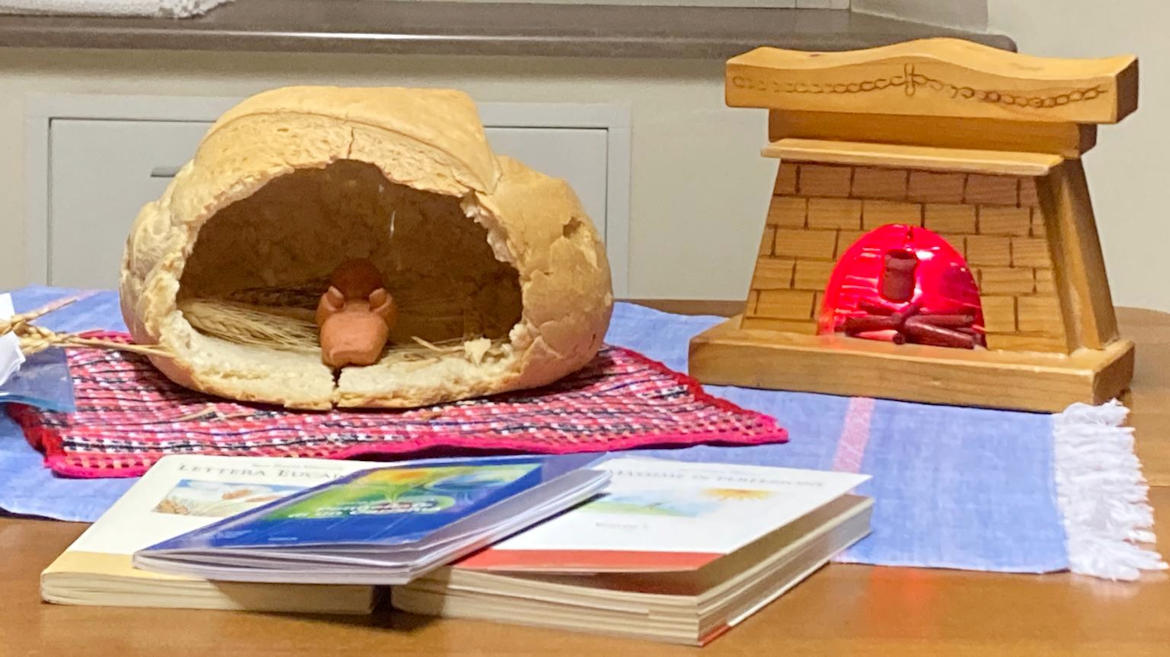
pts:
[901, 284]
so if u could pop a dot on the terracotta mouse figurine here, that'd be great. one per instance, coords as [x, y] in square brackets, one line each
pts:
[355, 315]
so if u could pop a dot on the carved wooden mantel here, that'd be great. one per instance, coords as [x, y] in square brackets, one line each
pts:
[936, 77]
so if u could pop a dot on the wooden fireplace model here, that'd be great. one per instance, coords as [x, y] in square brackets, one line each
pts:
[956, 165]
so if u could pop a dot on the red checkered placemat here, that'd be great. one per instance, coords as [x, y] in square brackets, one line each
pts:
[129, 415]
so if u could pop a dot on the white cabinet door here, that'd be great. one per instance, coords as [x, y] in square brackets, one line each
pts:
[100, 175]
[101, 172]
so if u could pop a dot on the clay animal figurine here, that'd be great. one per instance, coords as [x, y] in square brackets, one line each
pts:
[355, 315]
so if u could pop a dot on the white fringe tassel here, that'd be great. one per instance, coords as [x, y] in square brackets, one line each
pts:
[1102, 494]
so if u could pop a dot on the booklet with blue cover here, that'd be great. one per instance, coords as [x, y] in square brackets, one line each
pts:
[385, 525]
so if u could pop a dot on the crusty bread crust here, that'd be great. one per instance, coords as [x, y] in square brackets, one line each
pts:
[429, 140]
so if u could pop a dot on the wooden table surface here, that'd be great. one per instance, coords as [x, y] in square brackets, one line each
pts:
[841, 610]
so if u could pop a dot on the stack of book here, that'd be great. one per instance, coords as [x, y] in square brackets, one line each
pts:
[638, 547]
[673, 551]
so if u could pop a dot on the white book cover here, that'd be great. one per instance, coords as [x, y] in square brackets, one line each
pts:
[662, 515]
[180, 494]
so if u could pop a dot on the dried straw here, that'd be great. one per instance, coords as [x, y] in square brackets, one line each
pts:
[263, 326]
[293, 329]
[34, 338]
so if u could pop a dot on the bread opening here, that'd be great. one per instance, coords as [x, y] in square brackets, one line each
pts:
[259, 266]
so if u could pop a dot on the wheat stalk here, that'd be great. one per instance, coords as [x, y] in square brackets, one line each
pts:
[35, 339]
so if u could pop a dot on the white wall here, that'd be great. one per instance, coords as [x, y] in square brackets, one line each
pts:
[966, 14]
[1129, 170]
[699, 188]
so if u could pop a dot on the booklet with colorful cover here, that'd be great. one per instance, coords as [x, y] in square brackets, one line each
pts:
[384, 525]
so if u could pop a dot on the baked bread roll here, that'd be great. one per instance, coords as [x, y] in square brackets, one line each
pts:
[499, 276]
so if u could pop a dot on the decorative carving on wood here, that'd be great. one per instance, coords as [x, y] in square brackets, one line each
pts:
[964, 79]
[910, 81]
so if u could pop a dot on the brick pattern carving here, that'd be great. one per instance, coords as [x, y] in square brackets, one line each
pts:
[819, 210]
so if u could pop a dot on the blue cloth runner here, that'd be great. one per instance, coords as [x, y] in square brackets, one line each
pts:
[954, 487]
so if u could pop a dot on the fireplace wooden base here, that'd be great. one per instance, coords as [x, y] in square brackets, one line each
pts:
[729, 355]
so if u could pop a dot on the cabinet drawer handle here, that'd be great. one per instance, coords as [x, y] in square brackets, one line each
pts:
[164, 172]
